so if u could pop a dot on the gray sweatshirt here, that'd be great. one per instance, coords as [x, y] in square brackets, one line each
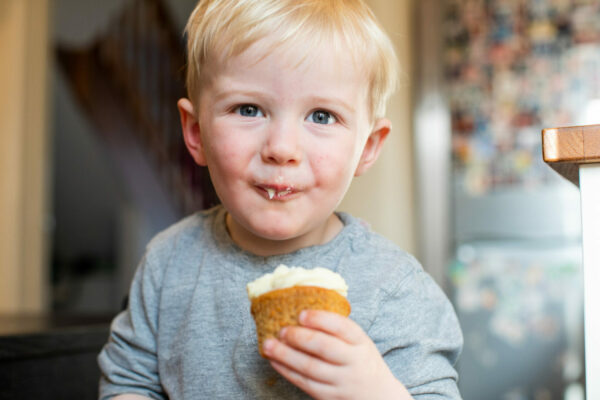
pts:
[188, 334]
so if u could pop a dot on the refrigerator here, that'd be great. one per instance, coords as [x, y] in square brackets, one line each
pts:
[500, 230]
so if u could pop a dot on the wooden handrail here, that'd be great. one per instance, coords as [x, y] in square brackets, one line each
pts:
[565, 148]
[142, 55]
[574, 152]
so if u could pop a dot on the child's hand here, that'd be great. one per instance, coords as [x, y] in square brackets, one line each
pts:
[330, 357]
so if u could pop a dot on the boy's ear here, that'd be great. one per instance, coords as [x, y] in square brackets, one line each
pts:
[191, 131]
[374, 144]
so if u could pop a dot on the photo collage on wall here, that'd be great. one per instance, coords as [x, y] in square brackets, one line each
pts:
[512, 68]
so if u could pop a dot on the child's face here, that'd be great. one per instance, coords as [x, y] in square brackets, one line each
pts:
[282, 142]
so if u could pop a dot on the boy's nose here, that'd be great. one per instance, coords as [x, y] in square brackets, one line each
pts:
[282, 145]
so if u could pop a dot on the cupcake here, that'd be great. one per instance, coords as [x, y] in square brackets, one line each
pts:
[277, 298]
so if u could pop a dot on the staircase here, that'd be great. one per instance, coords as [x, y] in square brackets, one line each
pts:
[128, 83]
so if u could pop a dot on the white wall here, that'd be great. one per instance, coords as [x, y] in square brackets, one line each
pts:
[23, 155]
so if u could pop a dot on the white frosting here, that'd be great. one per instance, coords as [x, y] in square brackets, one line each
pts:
[272, 192]
[285, 277]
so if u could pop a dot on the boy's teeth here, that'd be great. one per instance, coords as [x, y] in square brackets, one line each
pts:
[272, 192]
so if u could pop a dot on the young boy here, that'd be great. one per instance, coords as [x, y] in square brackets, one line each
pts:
[286, 104]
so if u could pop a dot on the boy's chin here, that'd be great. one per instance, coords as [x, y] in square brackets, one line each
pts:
[276, 235]
[260, 231]
[279, 241]
[275, 227]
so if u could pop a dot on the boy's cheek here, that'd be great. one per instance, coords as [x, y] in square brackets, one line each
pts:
[333, 170]
[226, 153]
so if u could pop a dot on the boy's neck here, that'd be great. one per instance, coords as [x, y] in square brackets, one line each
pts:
[267, 247]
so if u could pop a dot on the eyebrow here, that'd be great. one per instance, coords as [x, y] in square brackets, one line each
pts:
[231, 92]
[336, 101]
[313, 99]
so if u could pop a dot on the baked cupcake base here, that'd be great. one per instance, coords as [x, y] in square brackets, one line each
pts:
[281, 307]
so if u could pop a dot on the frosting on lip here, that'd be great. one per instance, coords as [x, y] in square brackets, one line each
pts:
[284, 277]
[272, 192]
[277, 191]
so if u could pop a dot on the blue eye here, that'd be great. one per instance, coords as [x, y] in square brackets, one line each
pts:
[249, 110]
[321, 117]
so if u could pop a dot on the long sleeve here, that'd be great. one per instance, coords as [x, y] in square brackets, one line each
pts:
[417, 332]
[128, 362]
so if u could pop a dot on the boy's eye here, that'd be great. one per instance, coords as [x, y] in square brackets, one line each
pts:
[248, 110]
[321, 117]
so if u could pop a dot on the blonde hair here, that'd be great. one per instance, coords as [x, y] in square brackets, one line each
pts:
[218, 29]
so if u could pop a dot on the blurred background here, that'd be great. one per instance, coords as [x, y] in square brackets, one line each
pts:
[93, 165]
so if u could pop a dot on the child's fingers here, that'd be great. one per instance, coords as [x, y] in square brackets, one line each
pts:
[303, 364]
[320, 344]
[334, 324]
[313, 388]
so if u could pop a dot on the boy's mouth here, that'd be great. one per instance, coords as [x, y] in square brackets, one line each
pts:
[276, 192]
